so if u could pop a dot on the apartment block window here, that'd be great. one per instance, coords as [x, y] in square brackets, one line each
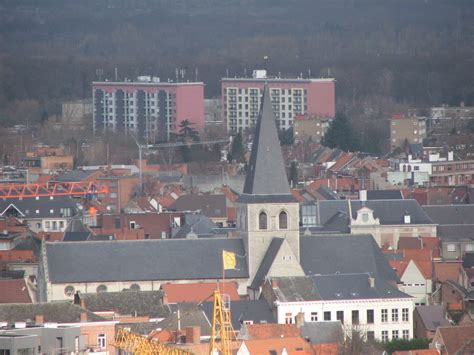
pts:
[370, 336]
[394, 315]
[288, 318]
[327, 315]
[451, 247]
[101, 340]
[384, 335]
[406, 334]
[355, 317]
[384, 315]
[340, 316]
[405, 316]
[394, 334]
[370, 316]
[314, 316]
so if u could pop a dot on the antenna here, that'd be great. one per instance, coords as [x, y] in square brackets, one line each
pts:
[116, 74]
[99, 72]
[196, 74]
[309, 73]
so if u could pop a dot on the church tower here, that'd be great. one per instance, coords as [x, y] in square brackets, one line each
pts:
[266, 209]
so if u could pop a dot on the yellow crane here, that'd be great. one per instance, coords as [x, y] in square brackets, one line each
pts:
[222, 326]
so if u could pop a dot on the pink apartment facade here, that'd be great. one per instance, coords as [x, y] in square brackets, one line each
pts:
[241, 99]
[148, 108]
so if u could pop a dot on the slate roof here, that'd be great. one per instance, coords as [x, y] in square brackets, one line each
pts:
[44, 205]
[328, 254]
[257, 311]
[76, 236]
[266, 174]
[140, 303]
[165, 259]
[451, 214]
[266, 263]
[432, 316]
[212, 206]
[389, 212]
[56, 312]
[196, 223]
[468, 260]
[190, 315]
[323, 332]
[333, 287]
[455, 232]
[75, 175]
[384, 195]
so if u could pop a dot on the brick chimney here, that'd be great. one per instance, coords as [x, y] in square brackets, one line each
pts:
[274, 283]
[299, 319]
[193, 335]
[39, 319]
[83, 303]
[83, 317]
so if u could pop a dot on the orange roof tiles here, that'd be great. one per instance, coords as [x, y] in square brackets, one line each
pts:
[198, 292]
[417, 352]
[455, 337]
[399, 266]
[14, 291]
[447, 271]
[294, 345]
[426, 268]
[267, 331]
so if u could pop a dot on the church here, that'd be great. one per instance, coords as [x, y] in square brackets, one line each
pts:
[270, 243]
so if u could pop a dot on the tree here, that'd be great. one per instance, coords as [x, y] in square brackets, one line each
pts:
[237, 150]
[186, 131]
[341, 134]
[293, 174]
[286, 136]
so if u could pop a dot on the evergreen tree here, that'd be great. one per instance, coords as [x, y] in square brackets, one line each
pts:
[293, 174]
[237, 151]
[187, 131]
[340, 134]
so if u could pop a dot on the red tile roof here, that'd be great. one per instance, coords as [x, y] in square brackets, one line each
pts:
[447, 271]
[455, 337]
[14, 291]
[417, 352]
[198, 292]
[270, 331]
[295, 345]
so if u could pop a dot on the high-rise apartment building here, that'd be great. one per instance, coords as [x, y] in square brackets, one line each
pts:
[147, 107]
[406, 129]
[241, 99]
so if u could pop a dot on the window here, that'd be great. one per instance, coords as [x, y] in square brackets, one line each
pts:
[451, 247]
[283, 220]
[262, 220]
[370, 316]
[61, 224]
[101, 288]
[69, 291]
[101, 340]
[394, 334]
[340, 316]
[394, 315]
[469, 247]
[384, 315]
[113, 195]
[370, 335]
[406, 334]
[117, 223]
[288, 318]
[55, 225]
[47, 224]
[134, 287]
[405, 316]
[327, 315]
[314, 316]
[355, 317]
[365, 217]
[384, 335]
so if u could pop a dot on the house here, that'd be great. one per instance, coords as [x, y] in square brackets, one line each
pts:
[212, 206]
[97, 333]
[42, 214]
[427, 319]
[415, 277]
[357, 300]
[453, 340]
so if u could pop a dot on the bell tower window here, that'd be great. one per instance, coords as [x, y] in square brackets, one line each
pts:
[262, 220]
[283, 220]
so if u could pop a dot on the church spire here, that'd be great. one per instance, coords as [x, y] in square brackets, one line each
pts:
[266, 177]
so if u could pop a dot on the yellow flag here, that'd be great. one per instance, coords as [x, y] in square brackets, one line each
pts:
[228, 259]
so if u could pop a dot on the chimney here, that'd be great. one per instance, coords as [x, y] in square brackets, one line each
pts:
[274, 283]
[193, 335]
[39, 319]
[165, 298]
[83, 303]
[371, 282]
[299, 319]
[83, 317]
[363, 195]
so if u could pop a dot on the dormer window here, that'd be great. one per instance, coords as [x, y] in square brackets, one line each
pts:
[262, 220]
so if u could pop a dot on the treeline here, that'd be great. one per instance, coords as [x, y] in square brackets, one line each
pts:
[410, 52]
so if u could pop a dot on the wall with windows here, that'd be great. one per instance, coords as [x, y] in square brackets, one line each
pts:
[381, 319]
[455, 249]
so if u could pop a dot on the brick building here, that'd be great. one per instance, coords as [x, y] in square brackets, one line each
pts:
[147, 107]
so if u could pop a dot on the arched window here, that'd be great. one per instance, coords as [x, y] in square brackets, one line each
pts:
[69, 291]
[134, 287]
[101, 288]
[283, 220]
[262, 220]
